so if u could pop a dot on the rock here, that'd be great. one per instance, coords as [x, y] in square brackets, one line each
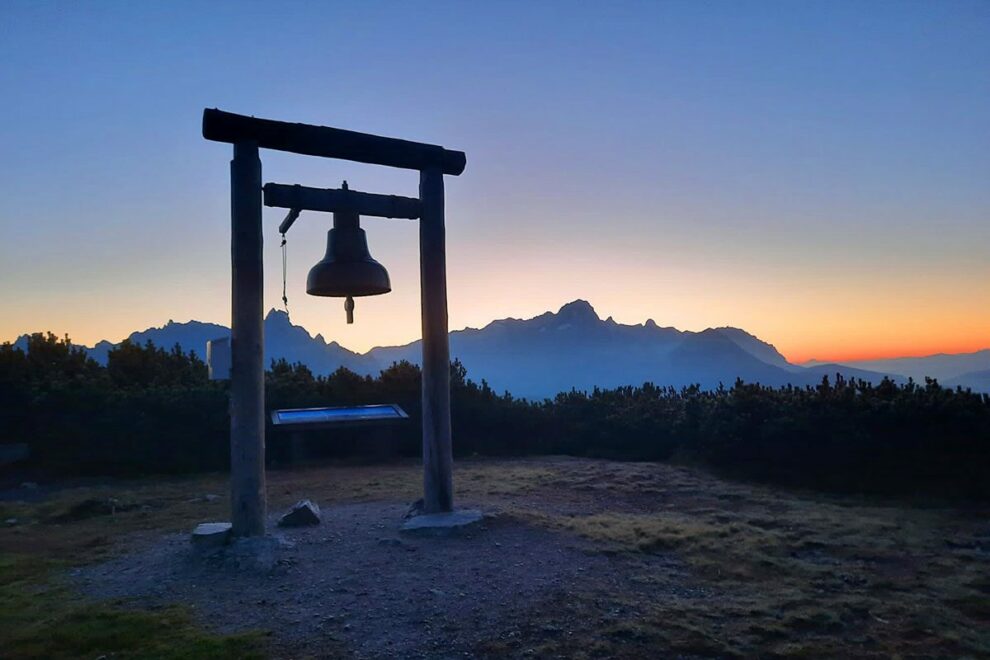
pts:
[302, 513]
[29, 485]
[208, 536]
[392, 542]
[10, 522]
[415, 509]
[442, 524]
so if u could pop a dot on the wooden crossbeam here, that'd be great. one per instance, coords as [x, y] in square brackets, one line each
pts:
[332, 200]
[330, 142]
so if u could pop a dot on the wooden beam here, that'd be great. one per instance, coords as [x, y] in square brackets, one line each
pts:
[290, 219]
[247, 375]
[333, 200]
[438, 489]
[330, 142]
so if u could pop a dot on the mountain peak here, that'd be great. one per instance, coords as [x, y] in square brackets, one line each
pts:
[278, 315]
[753, 345]
[578, 310]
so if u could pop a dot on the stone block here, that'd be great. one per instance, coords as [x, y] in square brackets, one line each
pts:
[442, 524]
[302, 514]
[208, 536]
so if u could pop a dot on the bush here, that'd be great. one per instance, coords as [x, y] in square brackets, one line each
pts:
[152, 410]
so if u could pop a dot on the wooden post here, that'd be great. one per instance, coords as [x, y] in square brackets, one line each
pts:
[438, 493]
[247, 378]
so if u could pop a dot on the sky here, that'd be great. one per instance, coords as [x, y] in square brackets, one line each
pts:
[815, 172]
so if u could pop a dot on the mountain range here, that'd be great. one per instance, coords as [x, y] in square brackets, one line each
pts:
[574, 348]
[967, 370]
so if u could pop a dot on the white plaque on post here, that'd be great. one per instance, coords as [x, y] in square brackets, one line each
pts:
[218, 358]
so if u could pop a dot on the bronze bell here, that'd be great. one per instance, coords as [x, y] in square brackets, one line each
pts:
[347, 269]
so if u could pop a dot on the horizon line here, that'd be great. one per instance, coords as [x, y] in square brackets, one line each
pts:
[797, 362]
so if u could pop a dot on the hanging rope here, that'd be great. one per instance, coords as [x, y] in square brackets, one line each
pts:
[282, 228]
[285, 298]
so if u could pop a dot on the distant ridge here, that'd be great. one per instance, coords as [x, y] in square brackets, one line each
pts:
[282, 340]
[573, 348]
[978, 381]
[946, 367]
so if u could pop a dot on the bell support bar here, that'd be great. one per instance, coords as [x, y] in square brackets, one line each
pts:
[332, 200]
[328, 142]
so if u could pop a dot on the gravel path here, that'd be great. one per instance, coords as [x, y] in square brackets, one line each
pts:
[352, 586]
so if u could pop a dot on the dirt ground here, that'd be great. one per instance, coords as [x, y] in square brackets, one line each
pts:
[579, 558]
[354, 586]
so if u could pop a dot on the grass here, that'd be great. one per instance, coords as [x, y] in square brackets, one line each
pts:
[788, 574]
[44, 619]
[720, 568]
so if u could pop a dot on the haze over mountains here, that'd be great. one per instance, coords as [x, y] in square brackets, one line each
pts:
[575, 348]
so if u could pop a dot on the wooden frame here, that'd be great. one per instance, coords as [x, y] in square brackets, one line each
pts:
[247, 388]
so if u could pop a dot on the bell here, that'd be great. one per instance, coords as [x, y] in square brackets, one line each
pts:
[347, 269]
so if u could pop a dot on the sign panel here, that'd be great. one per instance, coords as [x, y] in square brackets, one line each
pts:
[338, 416]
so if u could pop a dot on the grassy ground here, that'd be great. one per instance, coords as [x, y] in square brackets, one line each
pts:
[795, 575]
[43, 617]
[719, 568]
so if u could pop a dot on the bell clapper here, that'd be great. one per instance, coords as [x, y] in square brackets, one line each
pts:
[349, 308]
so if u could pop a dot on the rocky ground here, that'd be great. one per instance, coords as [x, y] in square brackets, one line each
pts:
[578, 558]
[354, 584]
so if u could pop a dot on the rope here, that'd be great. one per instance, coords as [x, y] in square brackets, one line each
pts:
[285, 298]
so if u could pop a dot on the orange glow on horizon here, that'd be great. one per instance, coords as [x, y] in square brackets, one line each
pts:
[805, 310]
[860, 340]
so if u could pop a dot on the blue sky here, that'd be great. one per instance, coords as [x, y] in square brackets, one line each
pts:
[814, 172]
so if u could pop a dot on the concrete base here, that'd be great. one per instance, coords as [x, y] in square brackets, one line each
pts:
[216, 543]
[255, 553]
[442, 524]
[209, 536]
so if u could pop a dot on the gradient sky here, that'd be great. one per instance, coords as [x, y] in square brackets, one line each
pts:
[817, 173]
